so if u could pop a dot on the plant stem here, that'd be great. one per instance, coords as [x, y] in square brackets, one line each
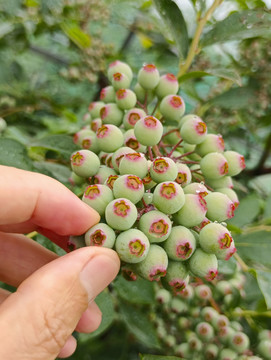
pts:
[241, 262]
[252, 313]
[194, 45]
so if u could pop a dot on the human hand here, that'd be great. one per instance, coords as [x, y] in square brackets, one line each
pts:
[54, 294]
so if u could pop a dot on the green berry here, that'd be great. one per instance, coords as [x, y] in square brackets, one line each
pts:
[168, 197]
[194, 131]
[183, 350]
[100, 235]
[121, 214]
[172, 107]
[196, 189]
[214, 237]
[177, 305]
[208, 313]
[132, 116]
[85, 163]
[177, 277]
[94, 108]
[109, 138]
[192, 212]
[95, 124]
[120, 81]
[3, 125]
[163, 296]
[220, 321]
[180, 244]
[203, 292]
[219, 206]
[110, 181]
[163, 169]
[227, 354]
[143, 95]
[236, 162]
[98, 196]
[119, 154]
[107, 94]
[211, 352]
[148, 130]
[119, 66]
[225, 334]
[111, 114]
[231, 195]
[167, 85]
[264, 348]
[205, 331]
[125, 99]
[131, 141]
[203, 265]
[155, 225]
[130, 187]
[148, 76]
[183, 175]
[211, 143]
[223, 182]
[239, 342]
[86, 139]
[214, 166]
[134, 163]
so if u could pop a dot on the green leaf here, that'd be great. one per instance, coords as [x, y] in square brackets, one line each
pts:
[228, 74]
[57, 171]
[139, 325]
[264, 282]
[5, 28]
[240, 25]
[236, 98]
[255, 247]
[158, 357]
[76, 35]
[247, 211]
[105, 303]
[267, 208]
[13, 153]
[62, 144]
[139, 292]
[175, 22]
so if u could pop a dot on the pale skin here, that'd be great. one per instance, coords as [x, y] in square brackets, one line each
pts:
[55, 295]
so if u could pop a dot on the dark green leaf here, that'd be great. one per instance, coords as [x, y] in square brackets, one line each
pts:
[139, 292]
[13, 153]
[227, 267]
[174, 20]
[248, 209]
[62, 144]
[158, 357]
[240, 25]
[221, 73]
[267, 208]
[264, 282]
[236, 98]
[139, 325]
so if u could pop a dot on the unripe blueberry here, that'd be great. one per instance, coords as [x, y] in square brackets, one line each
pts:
[75, 179]
[187, 293]
[98, 196]
[94, 108]
[132, 116]
[109, 137]
[194, 131]
[108, 160]
[177, 305]
[236, 162]
[148, 130]
[180, 244]
[203, 265]
[100, 235]
[121, 214]
[227, 354]
[196, 189]
[223, 287]
[119, 154]
[163, 296]
[235, 325]
[177, 277]
[155, 225]
[225, 334]
[215, 237]
[95, 124]
[183, 350]
[183, 175]
[120, 81]
[134, 163]
[119, 66]
[147, 197]
[130, 187]
[111, 114]
[211, 143]
[204, 331]
[264, 348]
[195, 344]
[223, 182]
[148, 182]
[173, 137]
[172, 107]
[220, 207]
[263, 334]
[132, 246]
[208, 313]
[125, 99]
[76, 242]
[211, 352]
[163, 169]
[85, 163]
[183, 322]
[188, 117]
[220, 321]
[143, 94]
[168, 84]
[214, 165]
[107, 94]
[203, 292]
[148, 76]
[128, 273]
[231, 195]
[86, 139]
[239, 342]
[87, 118]
[131, 141]
[193, 211]
[168, 197]
[154, 266]
[170, 340]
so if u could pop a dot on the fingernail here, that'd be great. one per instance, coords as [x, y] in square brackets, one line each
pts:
[98, 273]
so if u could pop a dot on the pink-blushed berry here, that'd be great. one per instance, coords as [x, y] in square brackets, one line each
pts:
[211, 143]
[163, 296]
[109, 138]
[120, 81]
[121, 214]
[108, 160]
[132, 116]
[173, 137]
[208, 313]
[215, 237]
[220, 321]
[155, 225]
[211, 351]
[225, 333]
[205, 331]
[148, 182]
[111, 114]
[192, 212]
[98, 196]
[263, 334]
[195, 344]
[163, 169]
[183, 350]
[148, 76]
[239, 342]
[75, 179]
[187, 293]
[224, 287]
[227, 354]
[84, 163]
[203, 265]
[167, 85]
[95, 124]
[86, 139]
[177, 277]
[119, 66]
[220, 207]
[102, 174]
[143, 95]
[94, 108]
[154, 266]
[110, 181]
[231, 195]
[223, 182]
[131, 141]
[194, 131]
[130, 187]
[132, 246]
[125, 99]
[148, 130]
[196, 189]
[203, 292]
[264, 348]
[107, 94]
[236, 162]
[180, 244]
[168, 197]
[119, 154]
[100, 235]
[178, 306]
[172, 107]
[134, 163]
[214, 165]
[183, 175]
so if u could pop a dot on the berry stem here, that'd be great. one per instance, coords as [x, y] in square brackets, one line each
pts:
[175, 147]
[150, 153]
[156, 150]
[186, 154]
[241, 262]
[155, 108]
[170, 132]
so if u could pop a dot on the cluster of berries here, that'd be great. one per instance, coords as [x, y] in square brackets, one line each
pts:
[197, 324]
[161, 183]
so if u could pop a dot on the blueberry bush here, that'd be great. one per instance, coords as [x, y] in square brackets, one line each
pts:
[157, 115]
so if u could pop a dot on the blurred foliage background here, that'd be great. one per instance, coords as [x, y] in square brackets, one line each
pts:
[53, 56]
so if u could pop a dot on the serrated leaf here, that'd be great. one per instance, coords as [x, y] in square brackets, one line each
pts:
[247, 211]
[139, 325]
[238, 26]
[158, 357]
[13, 153]
[264, 282]
[76, 35]
[175, 22]
[221, 73]
[139, 292]
[62, 144]
[236, 98]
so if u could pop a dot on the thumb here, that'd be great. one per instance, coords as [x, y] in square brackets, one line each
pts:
[37, 320]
